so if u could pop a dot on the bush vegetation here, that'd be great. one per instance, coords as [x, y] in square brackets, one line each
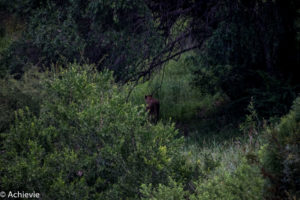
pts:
[170, 86]
[18, 94]
[86, 142]
[280, 156]
[74, 74]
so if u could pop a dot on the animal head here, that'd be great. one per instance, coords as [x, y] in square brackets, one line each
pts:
[148, 98]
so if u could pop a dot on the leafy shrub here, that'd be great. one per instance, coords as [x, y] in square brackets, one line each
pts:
[87, 142]
[197, 112]
[275, 96]
[173, 190]
[280, 156]
[88, 32]
[245, 60]
[17, 94]
[244, 183]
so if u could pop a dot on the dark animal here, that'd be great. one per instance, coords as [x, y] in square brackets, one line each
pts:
[152, 107]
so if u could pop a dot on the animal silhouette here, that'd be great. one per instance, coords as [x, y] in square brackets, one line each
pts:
[152, 107]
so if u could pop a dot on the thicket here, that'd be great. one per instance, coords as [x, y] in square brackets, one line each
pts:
[252, 52]
[264, 166]
[243, 48]
[74, 132]
[198, 113]
[86, 142]
[18, 94]
[88, 32]
[280, 156]
[170, 86]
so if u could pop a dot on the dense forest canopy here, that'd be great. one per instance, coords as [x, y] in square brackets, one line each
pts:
[255, 43]
[74, 75]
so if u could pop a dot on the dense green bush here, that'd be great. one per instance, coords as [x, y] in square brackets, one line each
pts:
[17, 94]
[245, 182]
[173, 190]
[74, 135]
[280, 156]
[88, 32]
[252, 54]
[86, 143]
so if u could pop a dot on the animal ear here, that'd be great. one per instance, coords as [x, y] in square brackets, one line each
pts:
[145, 96]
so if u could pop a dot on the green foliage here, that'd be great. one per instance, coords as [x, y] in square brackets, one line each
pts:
[244, 183]
[225, 171]
[280, 156]
[274, 97]
[251, 125]
[246, 55]
[4, 43]
[87, 142]
[74, 135]
[172, 87]
[17, 94]
[200, 114]
[88, 32]
[173, 190]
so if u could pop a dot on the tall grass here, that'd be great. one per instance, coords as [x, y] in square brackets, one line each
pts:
[226, 154]
[196, 113]
[213, 141]
[172, 86]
